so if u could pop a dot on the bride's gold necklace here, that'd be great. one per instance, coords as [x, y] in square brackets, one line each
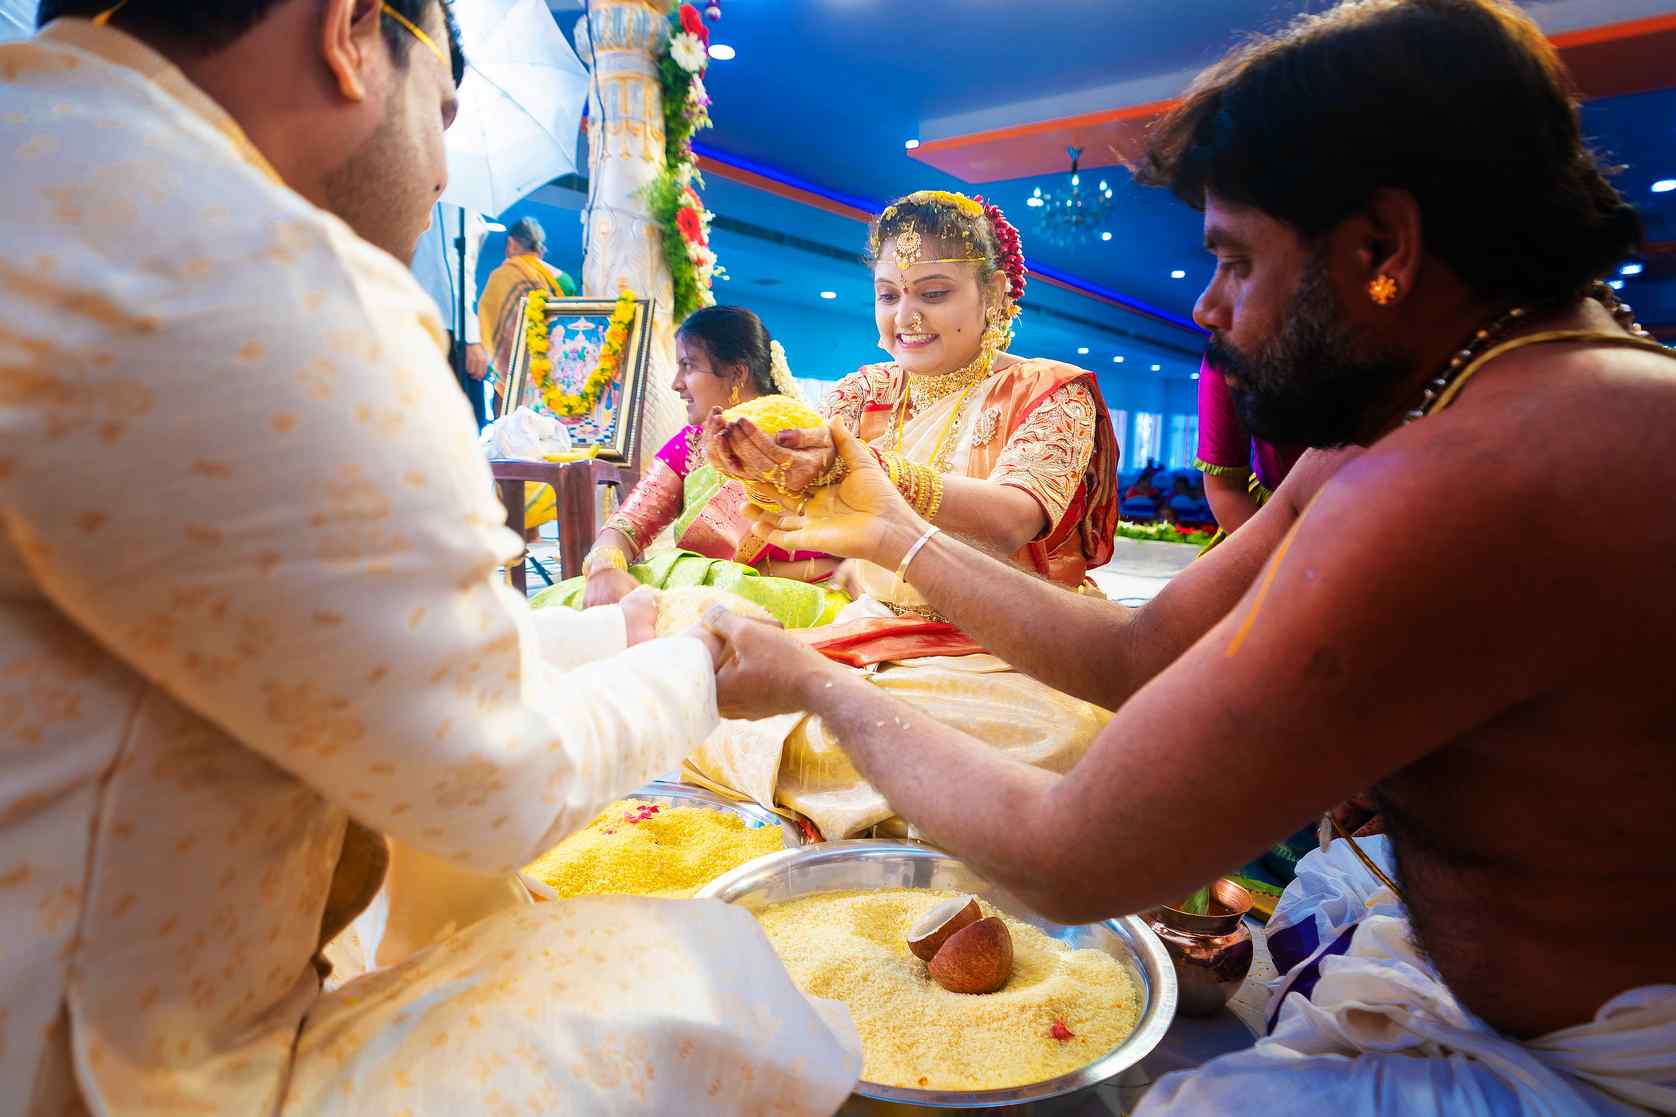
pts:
[924, 391]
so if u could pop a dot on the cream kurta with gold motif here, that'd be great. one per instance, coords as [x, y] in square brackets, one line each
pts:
[247, 590]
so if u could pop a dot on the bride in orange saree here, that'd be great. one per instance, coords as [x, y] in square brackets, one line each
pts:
[1014, 453]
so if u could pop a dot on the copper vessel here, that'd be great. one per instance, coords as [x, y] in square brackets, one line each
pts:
[1211, 953]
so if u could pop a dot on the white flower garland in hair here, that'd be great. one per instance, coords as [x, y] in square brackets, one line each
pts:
[779, 370]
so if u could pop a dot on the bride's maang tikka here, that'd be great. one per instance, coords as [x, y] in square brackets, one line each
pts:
[910, 242]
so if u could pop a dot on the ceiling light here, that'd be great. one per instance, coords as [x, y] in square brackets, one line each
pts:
[911, 144]
[1117, 360]
[829, 294]
[1630, 269]
[1034, 203]
[721, 52]
[1105, 236]
[1615, 284]
[1178, 274]
[1195, 376]
[1664, 185]
[1082, 350]
[1157, 368]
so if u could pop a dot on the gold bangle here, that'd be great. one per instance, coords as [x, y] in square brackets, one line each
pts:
[893, 467]
[925, 490]
[936, 504]
[913, 553]
[601, 557]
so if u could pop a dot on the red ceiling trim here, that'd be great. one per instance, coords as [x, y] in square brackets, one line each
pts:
[1022, 131]
[1607, 61]
[1614, 32]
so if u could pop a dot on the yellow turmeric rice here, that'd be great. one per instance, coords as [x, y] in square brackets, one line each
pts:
[1061, 1009]
[634, 848]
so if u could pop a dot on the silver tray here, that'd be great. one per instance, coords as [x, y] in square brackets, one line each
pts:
[833, 866]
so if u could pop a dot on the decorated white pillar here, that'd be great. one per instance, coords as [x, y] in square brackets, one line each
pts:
[621, 43]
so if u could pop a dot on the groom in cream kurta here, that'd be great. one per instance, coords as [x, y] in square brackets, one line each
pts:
[248, 593]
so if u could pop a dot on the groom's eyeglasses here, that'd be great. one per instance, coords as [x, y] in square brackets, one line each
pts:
[418, 33]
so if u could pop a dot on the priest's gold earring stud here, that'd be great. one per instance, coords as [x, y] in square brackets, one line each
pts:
[1383, 290]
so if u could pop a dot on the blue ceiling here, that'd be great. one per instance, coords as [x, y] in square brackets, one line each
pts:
[826, 92]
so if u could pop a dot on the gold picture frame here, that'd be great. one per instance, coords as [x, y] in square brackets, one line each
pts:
[577, 328]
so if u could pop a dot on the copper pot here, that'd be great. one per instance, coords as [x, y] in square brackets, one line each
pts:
[1211, 953]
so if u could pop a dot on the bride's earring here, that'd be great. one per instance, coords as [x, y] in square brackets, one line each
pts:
[733, 396]
[997, 331]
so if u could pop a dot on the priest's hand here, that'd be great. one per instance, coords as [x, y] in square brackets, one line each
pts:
[794, 458]
[863, 516]
[764, 671]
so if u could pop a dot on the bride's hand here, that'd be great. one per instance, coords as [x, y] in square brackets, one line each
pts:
[795, 458]
[861, 517]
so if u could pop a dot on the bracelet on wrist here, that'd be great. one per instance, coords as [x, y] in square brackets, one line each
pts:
[604, 558]
[913, 552]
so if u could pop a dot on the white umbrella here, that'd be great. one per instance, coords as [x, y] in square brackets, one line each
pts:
[520, 104]
[17, 19]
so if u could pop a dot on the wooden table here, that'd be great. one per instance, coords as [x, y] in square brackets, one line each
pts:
[576, 485]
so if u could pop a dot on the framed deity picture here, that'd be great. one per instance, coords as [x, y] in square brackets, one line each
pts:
[592, 375]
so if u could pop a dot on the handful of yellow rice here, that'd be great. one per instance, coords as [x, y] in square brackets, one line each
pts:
[771, 415]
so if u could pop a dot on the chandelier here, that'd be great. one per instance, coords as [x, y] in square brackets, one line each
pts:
[1074, 212]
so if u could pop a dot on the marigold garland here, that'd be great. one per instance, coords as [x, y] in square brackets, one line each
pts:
[539, 344]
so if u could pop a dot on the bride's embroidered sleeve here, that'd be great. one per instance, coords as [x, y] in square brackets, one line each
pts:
[1048, 454]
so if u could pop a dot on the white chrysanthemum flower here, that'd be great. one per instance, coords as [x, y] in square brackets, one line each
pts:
[688, 52]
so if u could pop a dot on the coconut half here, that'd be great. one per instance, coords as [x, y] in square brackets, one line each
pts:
[976, 959]
[931, 932]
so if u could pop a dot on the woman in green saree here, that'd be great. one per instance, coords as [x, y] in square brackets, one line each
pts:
[724, 356]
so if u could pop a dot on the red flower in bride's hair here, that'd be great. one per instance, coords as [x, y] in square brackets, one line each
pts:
[693, 24]
[1012, 248]
[690, 224]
